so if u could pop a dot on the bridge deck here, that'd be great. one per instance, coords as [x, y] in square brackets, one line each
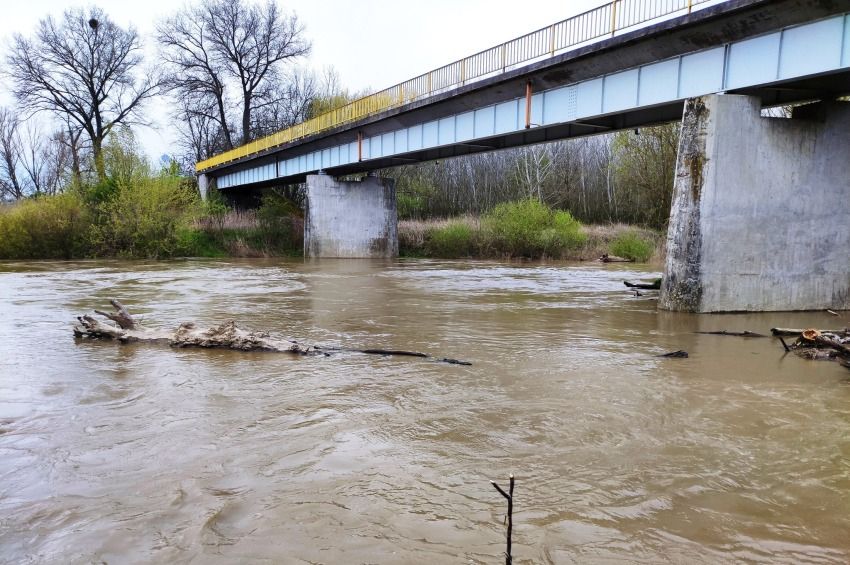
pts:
[784, 50]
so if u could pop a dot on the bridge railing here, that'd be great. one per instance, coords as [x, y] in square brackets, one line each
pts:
[604, 21]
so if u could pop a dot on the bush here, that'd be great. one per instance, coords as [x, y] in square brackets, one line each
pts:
[409, 205]
[456, 239]
[50, 227]
[279, 226]
[529, 228]
[632, 246]
[144, 218]
[193, 242]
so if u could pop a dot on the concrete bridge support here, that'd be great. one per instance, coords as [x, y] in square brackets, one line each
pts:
[761, 209]
[350, 219]
[204, 186]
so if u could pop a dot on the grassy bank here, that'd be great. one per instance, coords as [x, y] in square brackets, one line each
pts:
[527, 230]
[151, 217]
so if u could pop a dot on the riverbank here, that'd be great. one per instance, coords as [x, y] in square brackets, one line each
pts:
[150, 218]
[163, 217]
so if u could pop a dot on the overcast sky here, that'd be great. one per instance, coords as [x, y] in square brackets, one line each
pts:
[371, 43]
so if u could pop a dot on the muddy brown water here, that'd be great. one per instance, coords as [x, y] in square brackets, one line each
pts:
[143, 454]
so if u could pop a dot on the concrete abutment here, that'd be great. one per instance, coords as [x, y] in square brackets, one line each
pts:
[761, 209]
[350, 219]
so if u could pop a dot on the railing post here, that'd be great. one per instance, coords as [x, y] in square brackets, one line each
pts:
[690, 5]
[552, 40]
[613, 17]
[504, 56]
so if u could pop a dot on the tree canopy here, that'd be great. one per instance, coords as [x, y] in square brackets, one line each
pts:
[83, 68]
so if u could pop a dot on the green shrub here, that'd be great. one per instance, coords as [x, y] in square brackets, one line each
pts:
[456, 239]
[143, 219]
[529, 228]
[50, 227]
[632, 246]
[279, 226]
[409, 205]
[192, 242]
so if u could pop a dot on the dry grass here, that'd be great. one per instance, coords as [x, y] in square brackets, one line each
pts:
[232, 220]
[413, 235]
[600, 236]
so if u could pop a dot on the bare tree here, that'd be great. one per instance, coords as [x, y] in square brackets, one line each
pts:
[10, 156]
[30, 162]
[196, 74]
[222, 45]
[201, 134]
[286, 103]
[252, 41]
[82, 68]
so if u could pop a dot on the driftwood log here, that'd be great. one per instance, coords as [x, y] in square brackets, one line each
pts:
[815, 344]
[225, 336]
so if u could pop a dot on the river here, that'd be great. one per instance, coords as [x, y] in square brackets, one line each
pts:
[145, 454]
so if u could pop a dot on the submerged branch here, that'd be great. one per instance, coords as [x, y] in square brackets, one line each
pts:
[745, 333]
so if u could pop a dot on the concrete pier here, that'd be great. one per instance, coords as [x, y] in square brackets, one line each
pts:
[203, 186]
[761, 209]
[350, 219]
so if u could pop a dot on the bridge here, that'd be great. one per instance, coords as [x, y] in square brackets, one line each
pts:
[761, 211]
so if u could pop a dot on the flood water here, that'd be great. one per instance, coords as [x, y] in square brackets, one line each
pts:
[146, 454]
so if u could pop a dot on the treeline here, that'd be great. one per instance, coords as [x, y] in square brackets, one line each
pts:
[625, 177]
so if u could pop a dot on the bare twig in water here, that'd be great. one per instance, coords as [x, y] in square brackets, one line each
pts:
[510, 498]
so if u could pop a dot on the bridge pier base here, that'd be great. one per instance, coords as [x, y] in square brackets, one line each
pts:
[203, 186]
[761, 209]
[350, 219]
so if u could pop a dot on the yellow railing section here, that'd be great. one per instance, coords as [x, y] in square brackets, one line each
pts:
[599, 22]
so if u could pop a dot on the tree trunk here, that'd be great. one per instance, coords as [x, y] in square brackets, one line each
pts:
[222, 116]
[97, 153]
[246, 119]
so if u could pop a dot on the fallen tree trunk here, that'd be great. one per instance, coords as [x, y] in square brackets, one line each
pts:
[225, 336]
